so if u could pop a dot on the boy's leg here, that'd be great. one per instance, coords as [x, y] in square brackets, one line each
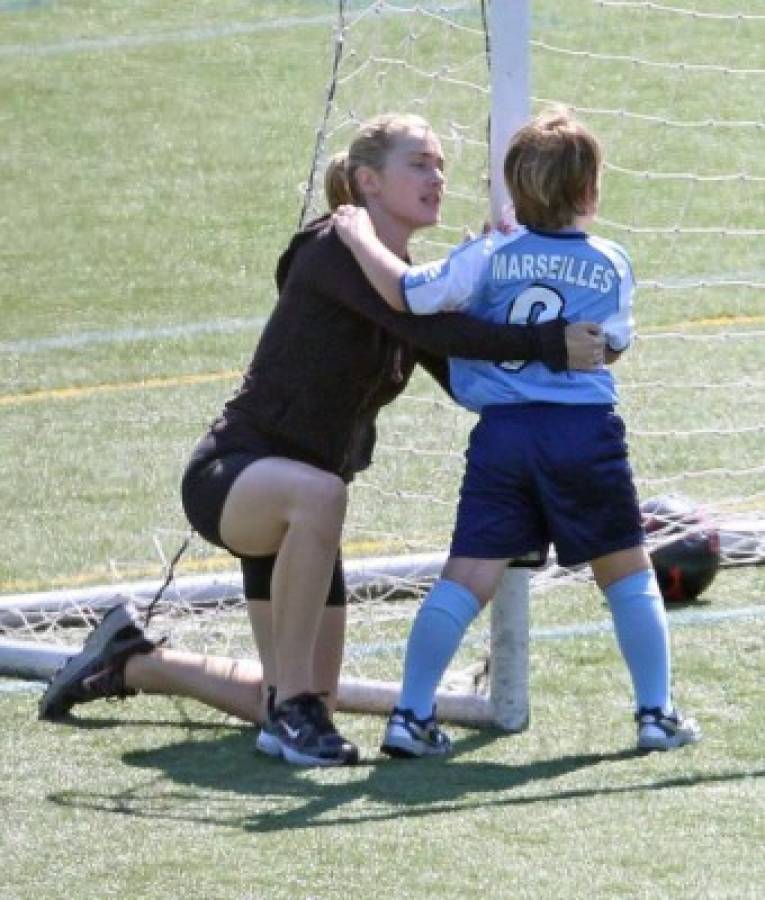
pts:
[640, 622]
[439, 626]
[591, 504]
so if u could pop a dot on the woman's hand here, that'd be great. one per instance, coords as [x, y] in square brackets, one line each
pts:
[353, 225]
[585, 345]
[381, 266]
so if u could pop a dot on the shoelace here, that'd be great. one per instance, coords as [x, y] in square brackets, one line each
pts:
[108, 682]
[319, 715]
[312, 709]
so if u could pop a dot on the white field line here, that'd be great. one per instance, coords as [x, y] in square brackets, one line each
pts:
[181, 36]
[25, 346]
[679, 619]
[188, 35]
[757, 276]
[128, 335]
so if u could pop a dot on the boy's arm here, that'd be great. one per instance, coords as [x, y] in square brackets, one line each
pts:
[382, 267]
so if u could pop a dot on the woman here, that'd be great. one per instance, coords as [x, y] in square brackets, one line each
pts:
[269, 480]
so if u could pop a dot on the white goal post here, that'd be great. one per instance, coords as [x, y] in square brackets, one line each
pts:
[509, 75]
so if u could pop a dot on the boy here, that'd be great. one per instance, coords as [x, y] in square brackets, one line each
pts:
[547, 460]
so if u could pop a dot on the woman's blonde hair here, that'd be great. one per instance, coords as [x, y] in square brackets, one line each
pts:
[552, 170]
[371, 146]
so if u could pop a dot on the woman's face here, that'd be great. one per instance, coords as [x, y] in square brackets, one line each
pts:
[409, 189]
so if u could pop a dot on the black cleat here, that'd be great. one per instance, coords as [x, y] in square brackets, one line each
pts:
[306, 736]
[98, 669]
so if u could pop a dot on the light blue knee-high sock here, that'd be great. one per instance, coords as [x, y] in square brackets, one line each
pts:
[438, 628]
[640, 622]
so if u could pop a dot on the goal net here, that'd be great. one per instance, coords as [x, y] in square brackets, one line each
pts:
[675, 94]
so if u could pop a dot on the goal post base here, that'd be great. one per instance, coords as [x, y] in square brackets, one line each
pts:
[379, 698]
[38, 662]
[31, 661]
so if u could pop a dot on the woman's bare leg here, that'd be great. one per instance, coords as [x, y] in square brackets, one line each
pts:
[291, 509]
[328, 651]
[328, 654]
[234, 686]
[296, 511]
[261, 621]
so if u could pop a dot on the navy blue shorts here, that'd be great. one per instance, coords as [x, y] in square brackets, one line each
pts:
[204, 488]
[541, 473]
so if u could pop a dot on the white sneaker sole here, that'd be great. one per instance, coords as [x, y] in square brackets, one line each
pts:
[682, 738]
[399, 743]
[268, 743]
[294, 758]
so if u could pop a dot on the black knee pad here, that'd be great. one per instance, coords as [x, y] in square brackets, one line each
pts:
[256, 577]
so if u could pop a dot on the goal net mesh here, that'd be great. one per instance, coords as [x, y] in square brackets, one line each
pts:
[675, 94]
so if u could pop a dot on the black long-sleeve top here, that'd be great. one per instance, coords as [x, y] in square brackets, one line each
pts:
[333, 353]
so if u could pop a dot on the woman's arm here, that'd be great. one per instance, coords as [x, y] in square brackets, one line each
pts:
[327, 266]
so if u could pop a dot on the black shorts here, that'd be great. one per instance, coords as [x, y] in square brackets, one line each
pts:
[204, 488]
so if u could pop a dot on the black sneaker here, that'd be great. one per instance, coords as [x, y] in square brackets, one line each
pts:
[657, 731]
[306, 736]
[98, 670]
[267, 740]
[409, 737]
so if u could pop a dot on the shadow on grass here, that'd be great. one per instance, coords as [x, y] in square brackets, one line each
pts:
[223, 782]
[103, 723]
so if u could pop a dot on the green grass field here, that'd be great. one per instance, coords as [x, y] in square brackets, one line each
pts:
[153, 160]
[161, 798]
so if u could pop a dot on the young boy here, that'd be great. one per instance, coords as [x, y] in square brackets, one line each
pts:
[547, 461]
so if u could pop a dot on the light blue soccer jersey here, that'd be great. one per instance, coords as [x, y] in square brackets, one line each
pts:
[522, 278]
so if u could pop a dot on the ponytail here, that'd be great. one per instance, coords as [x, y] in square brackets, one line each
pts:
[336, 185]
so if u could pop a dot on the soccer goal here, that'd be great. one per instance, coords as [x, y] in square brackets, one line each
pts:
[675, 94]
